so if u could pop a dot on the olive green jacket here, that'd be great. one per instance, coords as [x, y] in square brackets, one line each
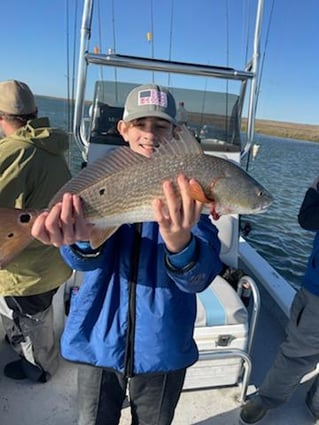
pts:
[32, 169]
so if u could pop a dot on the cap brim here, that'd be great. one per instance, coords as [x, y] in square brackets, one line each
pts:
[141, 114]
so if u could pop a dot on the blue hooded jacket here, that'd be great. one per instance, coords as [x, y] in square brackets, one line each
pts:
[146, 326]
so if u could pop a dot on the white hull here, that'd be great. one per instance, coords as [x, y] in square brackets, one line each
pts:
[54, 403]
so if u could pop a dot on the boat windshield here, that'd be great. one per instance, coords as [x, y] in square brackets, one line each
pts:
[212, 116]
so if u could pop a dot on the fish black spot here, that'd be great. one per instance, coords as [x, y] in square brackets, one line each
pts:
[25, 218]
[102, 191]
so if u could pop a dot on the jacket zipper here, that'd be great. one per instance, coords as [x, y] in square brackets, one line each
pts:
[129, 351]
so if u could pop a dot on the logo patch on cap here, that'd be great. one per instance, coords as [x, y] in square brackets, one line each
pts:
[152, 97]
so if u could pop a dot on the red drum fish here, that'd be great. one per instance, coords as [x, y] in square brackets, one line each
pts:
[120, 187]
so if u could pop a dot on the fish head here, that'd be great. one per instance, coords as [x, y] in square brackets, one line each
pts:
[236, 192]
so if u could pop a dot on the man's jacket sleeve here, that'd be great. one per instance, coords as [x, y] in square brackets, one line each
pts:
[308, 216]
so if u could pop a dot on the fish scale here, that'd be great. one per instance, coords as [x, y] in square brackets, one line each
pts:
[140, 188]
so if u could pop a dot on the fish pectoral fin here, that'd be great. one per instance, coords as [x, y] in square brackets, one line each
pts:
[196, 192]
[98, 236]
[15, 232]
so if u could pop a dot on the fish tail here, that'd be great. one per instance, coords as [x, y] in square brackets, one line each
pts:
[15, 232]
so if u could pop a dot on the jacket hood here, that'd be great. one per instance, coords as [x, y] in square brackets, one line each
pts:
[39, 132]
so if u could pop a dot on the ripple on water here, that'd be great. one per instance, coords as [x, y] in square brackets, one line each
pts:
[286, 168]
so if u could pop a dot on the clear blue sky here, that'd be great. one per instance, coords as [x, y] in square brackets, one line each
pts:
[34, 38]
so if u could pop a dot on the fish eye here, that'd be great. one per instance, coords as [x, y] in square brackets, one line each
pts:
[260, 194]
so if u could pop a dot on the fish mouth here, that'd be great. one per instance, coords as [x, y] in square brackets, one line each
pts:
[262, 208]
[268, 200]
[216, 210]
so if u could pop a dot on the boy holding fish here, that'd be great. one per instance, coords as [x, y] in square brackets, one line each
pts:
[131, 324]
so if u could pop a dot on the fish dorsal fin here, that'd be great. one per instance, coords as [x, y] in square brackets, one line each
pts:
[184, 144]
[123, 158]
[110, 163]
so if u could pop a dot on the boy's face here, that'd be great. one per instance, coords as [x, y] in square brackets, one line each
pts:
[145, 134]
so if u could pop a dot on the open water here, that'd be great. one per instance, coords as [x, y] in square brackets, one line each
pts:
[286, 167]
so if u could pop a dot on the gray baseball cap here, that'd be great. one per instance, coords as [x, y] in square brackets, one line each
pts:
[150, 100]
[16, 98]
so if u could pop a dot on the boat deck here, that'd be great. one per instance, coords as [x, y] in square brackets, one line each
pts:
[54, 403]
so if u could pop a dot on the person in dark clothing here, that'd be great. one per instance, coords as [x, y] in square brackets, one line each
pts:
[299, 352]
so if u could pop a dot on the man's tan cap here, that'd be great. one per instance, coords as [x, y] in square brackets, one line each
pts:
[16, 98]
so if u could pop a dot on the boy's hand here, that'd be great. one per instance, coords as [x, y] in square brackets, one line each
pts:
[178, 218]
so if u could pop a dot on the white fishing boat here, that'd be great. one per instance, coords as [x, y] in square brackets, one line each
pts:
[240, 324]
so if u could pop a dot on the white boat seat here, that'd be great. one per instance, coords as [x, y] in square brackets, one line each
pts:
[219, 304]
[223, 333]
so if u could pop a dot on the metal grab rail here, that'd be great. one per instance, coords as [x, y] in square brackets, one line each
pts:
[243, 281]
[112, 59]
[231, 354]
[135, 62]
[146, 64]
[212, 354]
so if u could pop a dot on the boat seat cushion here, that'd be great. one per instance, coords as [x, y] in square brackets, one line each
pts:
[219, 304]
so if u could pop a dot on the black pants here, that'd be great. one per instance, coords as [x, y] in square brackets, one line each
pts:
[31, 333]
[153, 397]
[31, 304]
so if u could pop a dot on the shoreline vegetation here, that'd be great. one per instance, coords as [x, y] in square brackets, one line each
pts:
[307, 132]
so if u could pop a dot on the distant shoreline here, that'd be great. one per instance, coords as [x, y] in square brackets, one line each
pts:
[307, 132]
